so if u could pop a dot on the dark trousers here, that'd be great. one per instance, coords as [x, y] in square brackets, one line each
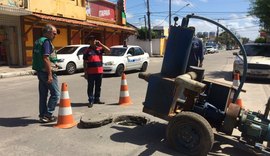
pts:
[94, 81]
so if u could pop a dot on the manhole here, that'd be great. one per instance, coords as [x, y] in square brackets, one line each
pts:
[128, 120]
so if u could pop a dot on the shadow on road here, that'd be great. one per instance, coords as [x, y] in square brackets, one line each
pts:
[17, 122]
[257, 81]
[79, 104]
[150, 135]
[227, 75]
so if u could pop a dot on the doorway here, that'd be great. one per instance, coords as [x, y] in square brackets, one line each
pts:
[9, 52]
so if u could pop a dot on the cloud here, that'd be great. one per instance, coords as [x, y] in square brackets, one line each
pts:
[160, 22]
[129, 15]
[239, 24]
[205, 1]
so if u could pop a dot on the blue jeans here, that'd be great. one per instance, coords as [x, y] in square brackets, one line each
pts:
[43, 87]
[94, 81]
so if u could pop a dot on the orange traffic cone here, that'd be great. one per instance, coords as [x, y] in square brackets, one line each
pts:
[231, 98]
[239, 102]
[236, 79]
[65, 118]
[236, 83]
[124, 98]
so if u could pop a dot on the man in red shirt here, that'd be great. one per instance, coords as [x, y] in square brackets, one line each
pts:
[93, 69]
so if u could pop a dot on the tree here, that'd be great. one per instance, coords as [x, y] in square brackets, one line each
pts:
[226, 39]
[245, 40]
[260, 40]
[261, 9]
[143, 34]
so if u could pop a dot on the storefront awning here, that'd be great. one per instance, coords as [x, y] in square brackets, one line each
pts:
[64, 20]
[112, 26]
[15, 11]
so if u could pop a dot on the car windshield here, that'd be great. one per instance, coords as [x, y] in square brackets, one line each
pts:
[257, 50]
[66, 50]
[117, 51]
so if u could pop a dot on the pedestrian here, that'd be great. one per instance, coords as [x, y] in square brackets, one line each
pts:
[93, 69]
[43, 53]
[196, 55]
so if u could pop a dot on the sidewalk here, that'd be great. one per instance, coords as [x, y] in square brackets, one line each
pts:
[6, 71]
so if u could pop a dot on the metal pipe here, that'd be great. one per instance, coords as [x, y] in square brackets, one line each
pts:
[187, 81]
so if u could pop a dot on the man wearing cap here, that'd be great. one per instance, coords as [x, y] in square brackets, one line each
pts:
[93, 69]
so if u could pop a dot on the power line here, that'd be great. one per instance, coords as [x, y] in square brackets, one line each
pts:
[172, 14]
[136, 6]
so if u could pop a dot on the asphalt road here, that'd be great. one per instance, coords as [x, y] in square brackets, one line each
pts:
[21, 134]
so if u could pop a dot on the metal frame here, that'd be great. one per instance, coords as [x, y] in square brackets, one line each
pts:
[185, 22]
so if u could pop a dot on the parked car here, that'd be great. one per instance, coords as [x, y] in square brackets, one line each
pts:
[72, 58]
[127, 58]
[258, 59]
[211, 49]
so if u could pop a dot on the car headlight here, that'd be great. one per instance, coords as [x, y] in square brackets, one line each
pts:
[109, 63]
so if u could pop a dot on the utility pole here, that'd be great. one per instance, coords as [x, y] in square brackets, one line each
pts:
[217, 32]
[170, 12]
[145, 27]
[149, 29]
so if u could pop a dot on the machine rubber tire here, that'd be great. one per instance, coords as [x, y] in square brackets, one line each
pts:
[119, 70]
[190, 134]
[144, 67]
[71, 68]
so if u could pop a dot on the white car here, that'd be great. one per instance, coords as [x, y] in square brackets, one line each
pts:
[71, 58]
[211, 49]
[258, 59]
[123, 59]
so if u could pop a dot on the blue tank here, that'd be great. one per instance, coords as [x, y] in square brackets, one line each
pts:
[177, 51]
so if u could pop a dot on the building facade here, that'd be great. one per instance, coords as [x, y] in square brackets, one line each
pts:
[22, 22]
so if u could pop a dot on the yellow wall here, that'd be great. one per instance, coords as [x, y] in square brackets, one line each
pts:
[163, 42]
[63, 8]
[61, 39]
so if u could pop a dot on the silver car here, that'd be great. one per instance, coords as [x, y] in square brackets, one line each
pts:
[258, 59]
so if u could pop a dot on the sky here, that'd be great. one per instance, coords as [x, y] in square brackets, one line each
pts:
[233, 14]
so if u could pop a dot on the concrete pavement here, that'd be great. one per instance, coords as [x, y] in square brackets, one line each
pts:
[6, 71]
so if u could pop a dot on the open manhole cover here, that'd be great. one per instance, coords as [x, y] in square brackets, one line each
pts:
[128, 120]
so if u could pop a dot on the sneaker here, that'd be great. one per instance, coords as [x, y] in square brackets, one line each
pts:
[47, 119]
[51, 118]
[99, 102]
[90, 104]
[43, 119]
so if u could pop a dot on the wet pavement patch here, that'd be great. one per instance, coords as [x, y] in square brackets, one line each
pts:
[129, 120]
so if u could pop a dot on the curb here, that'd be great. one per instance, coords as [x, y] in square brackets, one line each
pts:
[16, 74]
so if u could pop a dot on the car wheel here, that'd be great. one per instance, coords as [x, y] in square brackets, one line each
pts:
[119, 70]
[71, 68]
[144, 67]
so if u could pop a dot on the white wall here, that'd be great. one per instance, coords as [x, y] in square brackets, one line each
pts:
[132, 40]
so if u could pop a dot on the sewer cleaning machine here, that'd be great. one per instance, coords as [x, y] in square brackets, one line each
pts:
[194, 105]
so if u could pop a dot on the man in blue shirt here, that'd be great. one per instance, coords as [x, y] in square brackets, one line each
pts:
[43, 60]
[196, 55]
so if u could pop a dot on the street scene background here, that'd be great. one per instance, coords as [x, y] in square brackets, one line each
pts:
[22, 134]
